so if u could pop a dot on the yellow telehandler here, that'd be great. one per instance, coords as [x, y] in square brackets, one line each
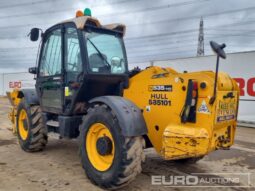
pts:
[84, 90]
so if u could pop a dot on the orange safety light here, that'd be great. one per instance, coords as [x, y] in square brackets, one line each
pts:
[79, 13]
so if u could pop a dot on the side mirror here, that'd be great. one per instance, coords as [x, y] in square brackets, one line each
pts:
[218, 49]
[32, 70]
[34, 34]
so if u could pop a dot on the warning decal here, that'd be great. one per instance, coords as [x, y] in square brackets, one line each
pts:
[203, 108]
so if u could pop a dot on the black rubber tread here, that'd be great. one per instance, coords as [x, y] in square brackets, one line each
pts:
[189, 160]
[37, 132]
[128, 151]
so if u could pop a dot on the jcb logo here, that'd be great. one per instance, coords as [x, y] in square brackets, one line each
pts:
[14, 85]
[246, 87]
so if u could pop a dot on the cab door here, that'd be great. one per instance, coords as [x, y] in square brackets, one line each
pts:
[50, 78]
[73, 66]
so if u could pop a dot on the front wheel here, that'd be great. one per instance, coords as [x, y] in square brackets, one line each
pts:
[31, 131]
[109, 159]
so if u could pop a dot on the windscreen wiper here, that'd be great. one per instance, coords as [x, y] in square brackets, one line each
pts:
[100, 53]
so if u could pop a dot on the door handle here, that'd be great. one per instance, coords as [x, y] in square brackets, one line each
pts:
[56, 78]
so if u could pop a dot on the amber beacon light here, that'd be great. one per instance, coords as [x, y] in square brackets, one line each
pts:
[86, 12]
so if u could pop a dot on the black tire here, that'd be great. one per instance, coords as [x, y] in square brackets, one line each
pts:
[128, 155]
[189, 160]
[37, 133]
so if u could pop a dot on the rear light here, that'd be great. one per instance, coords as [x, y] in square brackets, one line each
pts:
[194, 93]
[189, 110]
[195, 85]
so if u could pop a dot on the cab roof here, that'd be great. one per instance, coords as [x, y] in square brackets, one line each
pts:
[80, 23]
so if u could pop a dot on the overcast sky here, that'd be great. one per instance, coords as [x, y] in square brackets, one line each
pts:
[156, 30]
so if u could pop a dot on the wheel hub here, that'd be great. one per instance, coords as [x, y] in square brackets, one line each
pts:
[100, 146]
[104, 146]
[25, 124]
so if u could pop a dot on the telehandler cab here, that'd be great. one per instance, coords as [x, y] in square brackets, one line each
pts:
[84, 89]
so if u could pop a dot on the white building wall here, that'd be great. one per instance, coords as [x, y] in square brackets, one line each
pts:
[1, 84]
[9, 81]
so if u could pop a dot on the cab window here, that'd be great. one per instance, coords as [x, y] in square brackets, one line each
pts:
[51, 56]
[73, 56]
[105, 53]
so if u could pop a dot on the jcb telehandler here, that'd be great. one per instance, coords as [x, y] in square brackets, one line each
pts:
[84, 89]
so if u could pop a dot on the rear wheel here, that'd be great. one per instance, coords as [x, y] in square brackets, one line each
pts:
[32, 133]
[109, 159]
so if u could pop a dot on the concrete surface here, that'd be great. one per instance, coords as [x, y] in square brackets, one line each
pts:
[58, 166]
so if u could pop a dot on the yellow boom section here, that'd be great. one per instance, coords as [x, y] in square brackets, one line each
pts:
[14, 100]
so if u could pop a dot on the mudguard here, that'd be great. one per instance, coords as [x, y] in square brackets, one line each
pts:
[130, 117]
[30, 96]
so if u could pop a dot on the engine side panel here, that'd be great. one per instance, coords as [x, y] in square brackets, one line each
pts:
[161, 94]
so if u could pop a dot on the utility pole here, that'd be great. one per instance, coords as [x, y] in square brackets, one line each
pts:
[200, 46]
